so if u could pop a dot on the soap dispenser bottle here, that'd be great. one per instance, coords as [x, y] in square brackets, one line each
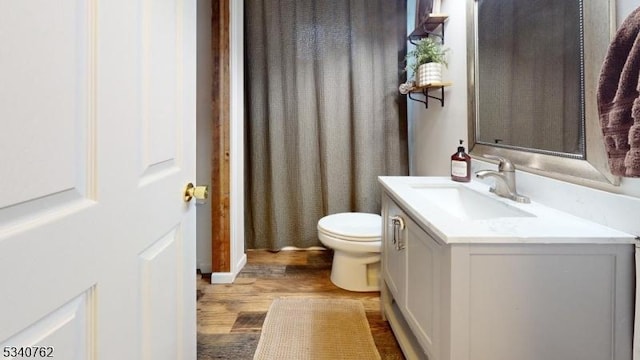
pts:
[461, 165]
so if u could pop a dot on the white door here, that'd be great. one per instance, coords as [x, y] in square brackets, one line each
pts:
[97, 143]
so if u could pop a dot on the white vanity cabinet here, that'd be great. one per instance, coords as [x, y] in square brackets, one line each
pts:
[411, 265]
[507, 300]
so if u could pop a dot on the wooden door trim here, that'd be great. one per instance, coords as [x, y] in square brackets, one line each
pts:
[221, 103]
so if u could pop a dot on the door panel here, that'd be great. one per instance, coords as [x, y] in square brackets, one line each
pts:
[47, 160]
[63, 333]
[160, 276]
[160, 68]
[52, 171]
[97, 143]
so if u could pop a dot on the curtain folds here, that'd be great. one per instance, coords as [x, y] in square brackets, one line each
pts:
[324, 117]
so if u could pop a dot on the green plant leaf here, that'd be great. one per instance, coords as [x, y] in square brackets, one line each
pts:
[426, 50]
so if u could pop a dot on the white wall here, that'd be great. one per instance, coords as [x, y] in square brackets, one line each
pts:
[436, 131]
[203, 139]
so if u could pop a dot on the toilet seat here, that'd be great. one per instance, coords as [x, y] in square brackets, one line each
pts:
[347, 238]
[360, 227]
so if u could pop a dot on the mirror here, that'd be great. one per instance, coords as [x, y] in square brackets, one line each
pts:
[533, 73]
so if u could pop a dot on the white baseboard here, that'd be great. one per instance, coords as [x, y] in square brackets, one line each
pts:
[229, 277]
[241, 263]
[222, 277]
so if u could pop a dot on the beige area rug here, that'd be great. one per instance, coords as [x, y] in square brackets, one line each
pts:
[308, 328]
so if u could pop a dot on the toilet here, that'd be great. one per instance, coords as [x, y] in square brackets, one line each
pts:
[355, 239]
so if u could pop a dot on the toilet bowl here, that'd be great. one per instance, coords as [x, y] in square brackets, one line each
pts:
[355, 239]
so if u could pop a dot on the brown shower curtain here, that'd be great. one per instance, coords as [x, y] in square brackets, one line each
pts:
[324, 116]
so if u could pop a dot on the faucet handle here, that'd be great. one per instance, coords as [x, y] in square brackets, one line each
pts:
[504, 163]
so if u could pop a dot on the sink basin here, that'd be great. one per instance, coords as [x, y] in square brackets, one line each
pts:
[467, 204]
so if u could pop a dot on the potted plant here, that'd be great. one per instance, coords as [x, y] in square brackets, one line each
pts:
[426, 61]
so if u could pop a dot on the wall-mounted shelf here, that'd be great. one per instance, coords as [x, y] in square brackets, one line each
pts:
[432, 25]
[428, 27]
[424, 90]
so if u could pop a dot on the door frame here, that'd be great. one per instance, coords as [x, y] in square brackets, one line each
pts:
[227, 161]
[220, 155]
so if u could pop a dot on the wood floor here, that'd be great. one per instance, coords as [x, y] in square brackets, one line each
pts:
[230, 316]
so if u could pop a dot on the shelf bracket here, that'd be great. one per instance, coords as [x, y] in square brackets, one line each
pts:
[433, 33]
[413, 39]
[441, 98]
[425, 92]
[429, 27]
[426, 103]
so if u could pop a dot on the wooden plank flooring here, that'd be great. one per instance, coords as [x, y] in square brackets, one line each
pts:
[230, 316]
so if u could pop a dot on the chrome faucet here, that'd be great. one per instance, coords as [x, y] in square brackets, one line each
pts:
[505, 184]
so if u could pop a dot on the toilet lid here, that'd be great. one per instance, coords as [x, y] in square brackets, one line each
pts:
[352, 226]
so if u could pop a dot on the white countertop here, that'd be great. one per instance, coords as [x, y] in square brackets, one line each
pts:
[543, 225]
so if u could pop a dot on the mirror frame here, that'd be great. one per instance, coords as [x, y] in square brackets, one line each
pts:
[590, 170]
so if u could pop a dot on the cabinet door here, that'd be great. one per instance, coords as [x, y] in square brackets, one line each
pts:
[424, 262]
[393, 255]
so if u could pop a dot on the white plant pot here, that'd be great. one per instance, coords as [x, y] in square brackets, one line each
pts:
[429, 73]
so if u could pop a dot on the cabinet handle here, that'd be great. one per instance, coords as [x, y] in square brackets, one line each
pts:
[397, 220]
[398, 225]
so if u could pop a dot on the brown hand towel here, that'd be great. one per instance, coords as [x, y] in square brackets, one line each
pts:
[619, 100]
